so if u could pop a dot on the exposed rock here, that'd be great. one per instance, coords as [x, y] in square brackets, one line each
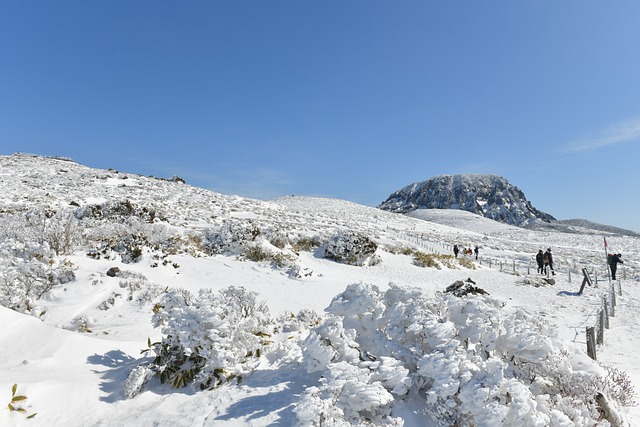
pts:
[460, 288]
[113, 272]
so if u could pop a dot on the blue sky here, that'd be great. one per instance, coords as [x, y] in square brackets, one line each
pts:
[350, 99]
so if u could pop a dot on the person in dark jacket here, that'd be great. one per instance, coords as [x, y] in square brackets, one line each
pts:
[613, 265]
[456, 250]
[548, 261]
[540, 261]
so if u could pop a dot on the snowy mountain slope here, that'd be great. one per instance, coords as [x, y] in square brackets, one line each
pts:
[73, 355]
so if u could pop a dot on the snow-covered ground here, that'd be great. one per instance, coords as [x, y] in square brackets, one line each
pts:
[72, 355]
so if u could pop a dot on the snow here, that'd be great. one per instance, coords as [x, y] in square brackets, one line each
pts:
[72, 356]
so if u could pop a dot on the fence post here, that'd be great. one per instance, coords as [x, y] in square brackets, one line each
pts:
[569, 276]
[613, 300]
[613, 294]
[514, 265]
[606, 312]
[600, 333]
[591, 343]
[619, 288]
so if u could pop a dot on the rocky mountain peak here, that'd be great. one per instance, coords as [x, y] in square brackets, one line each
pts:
[491, 196]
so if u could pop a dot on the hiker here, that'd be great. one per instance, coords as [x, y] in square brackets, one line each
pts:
[476, 250]
[540, 261]
[548, 260]
[613, 264]
[456, 250]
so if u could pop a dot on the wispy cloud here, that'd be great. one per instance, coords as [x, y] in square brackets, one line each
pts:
[615, 134]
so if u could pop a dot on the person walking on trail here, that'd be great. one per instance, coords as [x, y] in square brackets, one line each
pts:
[456, 250]
[476, 250]
[540, 261]
[548, 261]
[613, 264]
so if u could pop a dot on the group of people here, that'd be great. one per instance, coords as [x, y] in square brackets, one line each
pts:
[466, 251]
[545, 261]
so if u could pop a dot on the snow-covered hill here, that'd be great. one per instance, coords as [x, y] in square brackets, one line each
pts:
[245, 293]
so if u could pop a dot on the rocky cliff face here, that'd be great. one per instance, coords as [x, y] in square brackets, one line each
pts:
[488, 195]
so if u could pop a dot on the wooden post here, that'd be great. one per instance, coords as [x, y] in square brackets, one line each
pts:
[591, 343]
[613, 300]
[606, 312]
[569, 276]
[585, 281]
[613, 309]
[514, 265]
[619, 288]
[600, 337]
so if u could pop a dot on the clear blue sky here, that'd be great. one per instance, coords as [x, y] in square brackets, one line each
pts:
[350, 99]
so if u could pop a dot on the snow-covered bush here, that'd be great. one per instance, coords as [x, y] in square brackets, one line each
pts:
[348, 395]
[422, 259]
[118, 210]
[352, 248]
[63, 232]
[276, 236]
[277, 258]
[231, 236]
[306, 243]
[27, 272]
[354, 387]
[129, 239]
[209, 339]
[469, 359]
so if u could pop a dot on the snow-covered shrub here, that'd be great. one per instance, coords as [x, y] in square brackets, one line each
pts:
[118, 210]
[63, 232]
[276, 236]
[138, 287]
[82, 323]
[60, 230]
[422, 259]
[259, 253]
[348, 395]
[351, 248]
[231, 236]
[471, 360]
[303, 320]
[306, 243]
[399, 250]
[27, 272]
[211, 338]
[353, 387]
